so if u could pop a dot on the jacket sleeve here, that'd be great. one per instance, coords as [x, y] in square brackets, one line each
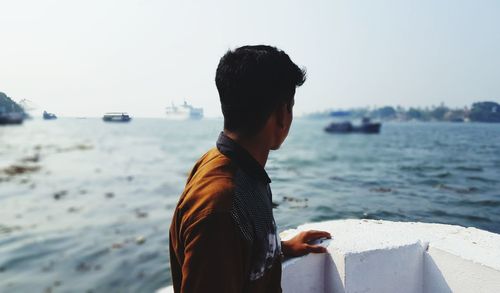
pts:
[214, 256]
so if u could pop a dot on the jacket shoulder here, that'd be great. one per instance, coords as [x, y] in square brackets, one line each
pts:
[210, 187]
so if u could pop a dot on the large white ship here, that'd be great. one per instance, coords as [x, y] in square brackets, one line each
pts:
[183, 112]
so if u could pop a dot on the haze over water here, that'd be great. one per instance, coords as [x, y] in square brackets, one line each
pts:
[86, 206]
[83, 58]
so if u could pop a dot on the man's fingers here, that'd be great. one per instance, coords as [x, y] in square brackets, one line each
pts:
[315, 248]
[319, 233]
[313, 235]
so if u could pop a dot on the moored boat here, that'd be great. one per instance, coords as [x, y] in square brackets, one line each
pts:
[49, 116]
[11, 118]
[116, 117]
[347, 127]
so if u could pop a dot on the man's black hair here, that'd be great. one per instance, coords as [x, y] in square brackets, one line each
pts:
[252, 82]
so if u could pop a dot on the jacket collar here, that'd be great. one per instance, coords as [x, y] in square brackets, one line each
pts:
[234, 151]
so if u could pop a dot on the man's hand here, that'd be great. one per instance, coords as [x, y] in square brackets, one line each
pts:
[300, 244]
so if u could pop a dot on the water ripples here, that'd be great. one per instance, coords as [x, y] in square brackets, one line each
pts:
[90, 209]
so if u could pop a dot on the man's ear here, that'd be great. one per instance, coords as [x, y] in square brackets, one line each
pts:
[280, 116]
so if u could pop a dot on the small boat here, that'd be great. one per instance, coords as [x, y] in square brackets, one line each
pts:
[116, 117]
[49, 116]
[11, 118]
[346, 127]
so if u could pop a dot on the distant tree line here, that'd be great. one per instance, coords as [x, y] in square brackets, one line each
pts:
[478, 112]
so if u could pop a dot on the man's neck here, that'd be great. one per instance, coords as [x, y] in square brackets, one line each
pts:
[254, 146]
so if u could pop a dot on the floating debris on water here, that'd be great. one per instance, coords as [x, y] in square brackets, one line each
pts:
[294, 199]
[443, 175]
[78, 147]
[421, 168]
[337, 178]
[481, 179]
[24, 181]
[20, 169]
[83, 267]
[32, 159]
[470, 168]
[117, 245]
[49, 267]
[141, 214]
[59, 195]
[140, 239]
[296, 202]
[8, 229]
[109, 195]
[141, 275]
[456, 189]
[381, 189]
[73, 209]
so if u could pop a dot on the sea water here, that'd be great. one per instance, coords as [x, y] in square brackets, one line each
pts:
[85, 206]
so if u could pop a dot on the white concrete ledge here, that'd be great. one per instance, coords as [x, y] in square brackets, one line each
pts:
[382, 256]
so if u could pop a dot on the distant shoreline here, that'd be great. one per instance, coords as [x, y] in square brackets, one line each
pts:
[486, 111]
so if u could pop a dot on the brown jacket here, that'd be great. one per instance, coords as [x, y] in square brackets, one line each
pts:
[223, 237]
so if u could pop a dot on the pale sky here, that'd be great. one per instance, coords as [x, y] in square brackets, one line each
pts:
[84, 58]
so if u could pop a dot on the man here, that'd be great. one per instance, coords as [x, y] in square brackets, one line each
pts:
[223, 236]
